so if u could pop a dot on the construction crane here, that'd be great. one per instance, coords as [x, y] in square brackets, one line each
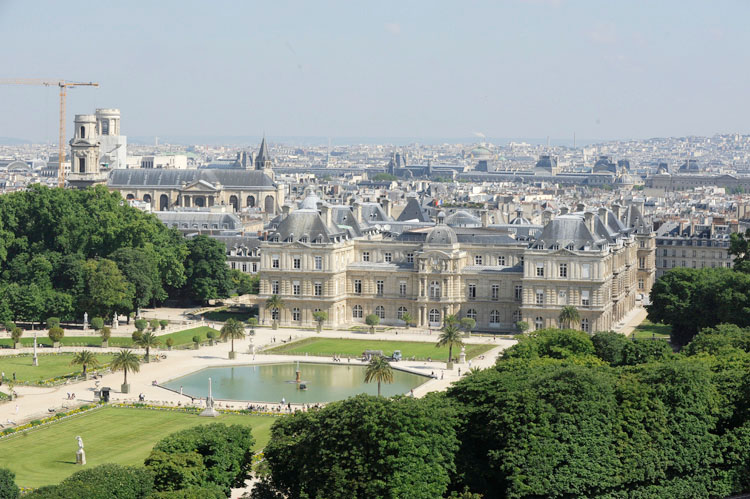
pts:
[64, 85]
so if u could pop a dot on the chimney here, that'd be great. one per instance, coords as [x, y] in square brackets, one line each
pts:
[564, 210]
[485, 217]
[386, 204]
[285, 210]
[546, 216]
[580, 207]
[616, 209]
[358, 211]
[603, 214]
[683, 224]
[589, 218]
[326, 214]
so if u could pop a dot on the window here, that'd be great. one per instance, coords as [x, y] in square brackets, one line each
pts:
[401, 312]
[410, 258]
[434, 289]
[501, 261]
[275, 287]
[82, 165]
[517, 317]
[585, 298]
[540, 270]
[357, 312]
[380, 311]
[641, 283]
[585, 326]
[538, 323]
[365, 256]
[318, 287]
[563, 270]
[472, 291]
[379, 286]
[586, 270]
[471, 314]
[434, 316]
[540, 297]
[478, 260]
[495, 291]
[318, 263]
[642, 262]
[274, 262]
[233, 265]
[402, 288]
[664, 252]
[297, 263]
[275, 314]
[296, 315]
[296, 288]
[358, 286]
[519, 292]
[388, 257]
[244, 267]
[665, 264]
[495, 317]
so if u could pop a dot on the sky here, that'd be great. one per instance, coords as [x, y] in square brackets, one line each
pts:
[382, 69]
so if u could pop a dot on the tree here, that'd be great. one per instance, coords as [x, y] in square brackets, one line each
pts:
[139, 267]
[569, 317]
[407, 318]
[196, 341]
[522, 326]
[739, 247]
[86, 359]
[232, 330]
[363, 446]
[140, 325]
[320, 317]
[378, 370]
[467, 324]
[206, 269]
[552, 343]
[15, 335]
[163, 323]
[106, 481]
[274, 303]
[450, 337]
[97, 323]
[106, 333]
[170, 343]
[153, 324]
[53, 322]
[244, 284]
[252, 323]
[176, 470]
[8, 487]
[107, 291]
[56, 334]
[148, 341]
[372, 320]
[211, 335]
[125, 361]
[136, 336]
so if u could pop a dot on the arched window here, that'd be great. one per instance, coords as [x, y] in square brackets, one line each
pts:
[147, 198]
[471, 314]
[538, 323]
[251, 201]
[401, 312]
[434, 289]
[585, 327]
[434, 316]
[105, 127]
[380, 312]
[129, 197]
[163, 202]
[495, 317]
[357, 312]
[82, 165]
[234, 202]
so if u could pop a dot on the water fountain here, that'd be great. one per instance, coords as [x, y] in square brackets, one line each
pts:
[209, 411]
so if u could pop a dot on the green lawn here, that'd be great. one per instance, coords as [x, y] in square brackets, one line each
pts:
[67, 341]
[648, 329]
[186, 336]
[110, 435]
[50, 366]
[354, 348]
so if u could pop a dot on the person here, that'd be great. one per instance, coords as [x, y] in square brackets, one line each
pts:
[283, 400]
[180, 389]
[459, 371]
[469, 364]
[14, 376]
[442, 375]
[412, 392]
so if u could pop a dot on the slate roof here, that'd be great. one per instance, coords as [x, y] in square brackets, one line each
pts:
[177, 179]
[413, 211]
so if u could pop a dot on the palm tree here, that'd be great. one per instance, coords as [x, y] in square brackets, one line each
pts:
[125, 361]
[86, 359]
[320, 317]
[274, 303]
[451, 320]
[378, 370]
[450, 337]
[569, 316]
[231, 330]
[148, 341]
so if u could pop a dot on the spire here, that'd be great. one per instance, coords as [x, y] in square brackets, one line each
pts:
[263, 159]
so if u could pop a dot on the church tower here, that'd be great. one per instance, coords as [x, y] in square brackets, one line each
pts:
[84, 153]
[263, 159]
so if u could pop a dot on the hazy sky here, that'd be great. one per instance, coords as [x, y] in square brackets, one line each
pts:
[601, 69]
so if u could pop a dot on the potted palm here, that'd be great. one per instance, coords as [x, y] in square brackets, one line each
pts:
[450, 337]
[169, 343]
[231, 330]
[196, 342]
[211, 335]
[320, 317]
[378, 370]
[372, 320]
[163, 323]
[87, 359]
[148, 341]
[274, 303]
[106, 333]
[407, 318]
[252, 323]
[125, 361]
[15, 335]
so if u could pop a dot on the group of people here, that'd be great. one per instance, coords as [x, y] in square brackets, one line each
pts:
[71, 396]
[337, 358]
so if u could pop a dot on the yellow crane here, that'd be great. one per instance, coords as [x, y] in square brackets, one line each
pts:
[64, 85]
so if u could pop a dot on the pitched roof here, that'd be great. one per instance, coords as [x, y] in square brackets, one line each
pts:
[167, 178]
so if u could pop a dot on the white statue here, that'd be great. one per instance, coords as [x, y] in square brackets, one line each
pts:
[80, 443]
[115, 321]
[81, 454]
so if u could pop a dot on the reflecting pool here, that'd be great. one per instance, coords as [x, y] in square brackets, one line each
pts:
[271, 382]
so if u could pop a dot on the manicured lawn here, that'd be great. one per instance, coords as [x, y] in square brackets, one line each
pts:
[186, 336]
[110, 435]
[67, 341]
[50, 366]
[648, 329]
[354, 348]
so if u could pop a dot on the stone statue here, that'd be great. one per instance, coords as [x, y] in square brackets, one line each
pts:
[81, 454]
[115, 321]
[85, 321]
[462, 356]
[80, 443]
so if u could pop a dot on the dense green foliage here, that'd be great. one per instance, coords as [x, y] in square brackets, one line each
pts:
[203, 456]
[107, 481]
[64, 252]
[8, 487]
[362, 447]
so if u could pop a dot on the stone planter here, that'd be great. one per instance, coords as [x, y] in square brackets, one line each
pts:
[210, 343]
[449, 365]
[56, 344]
[15, 345]
[232, 355]
[105, 343]
[196, 346]
[125, 388]
[169, 347]
[275, 325]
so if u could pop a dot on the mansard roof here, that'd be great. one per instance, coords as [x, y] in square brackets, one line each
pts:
[176, 179]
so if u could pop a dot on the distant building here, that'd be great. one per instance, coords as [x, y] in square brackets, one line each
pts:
[691, 245]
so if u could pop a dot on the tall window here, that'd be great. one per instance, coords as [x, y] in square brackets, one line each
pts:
[410, 257]
[275, 314]
[472, 291]
[540, 297]
[641, 283]
[297, 263]
[501, 261]
[562, 297]
[357, 312]
[519, 292]
[471, 314]
[318, 263]
[642, 262]
[586, 270]
[585, 326]
[402, 288]
[585, 298]
[517, 317]
[563, 270]
[380, 287]
[478, 260]
[380, 311]
[365, 256]
[82, 165]
[274, 262]
[495, 291]
[388, 257]
[401, 312]
[538, 323]
[318, 287]
[296, 288]
[434, 289]
[434, 316]
[495, 317]
[296, 315]
[358, 286]
[83, 132]
[274, 287]
[540, 270]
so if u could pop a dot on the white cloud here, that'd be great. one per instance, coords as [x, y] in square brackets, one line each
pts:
[393, 28]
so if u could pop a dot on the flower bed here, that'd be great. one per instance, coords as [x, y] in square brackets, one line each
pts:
[58, 416]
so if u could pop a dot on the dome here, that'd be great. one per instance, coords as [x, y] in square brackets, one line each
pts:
[462, 218]
[625, 179]
[310, 202]
[442, 234]
[480, 152]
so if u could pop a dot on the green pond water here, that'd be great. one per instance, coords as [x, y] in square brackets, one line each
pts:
[271, 382]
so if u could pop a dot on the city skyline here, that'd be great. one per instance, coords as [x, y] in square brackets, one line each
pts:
[531, 69]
